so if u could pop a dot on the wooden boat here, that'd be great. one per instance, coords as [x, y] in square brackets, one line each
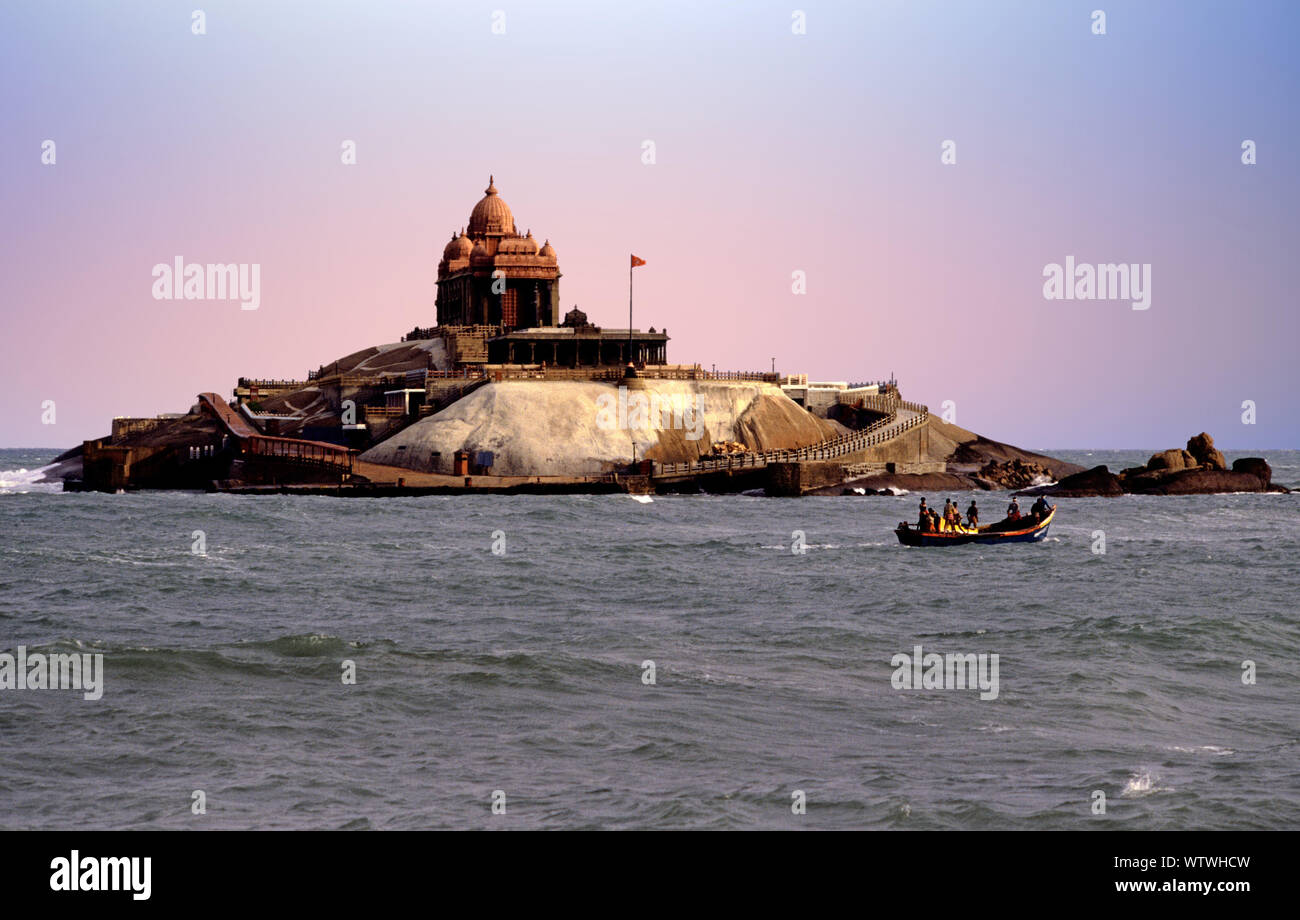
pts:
[1025, 530]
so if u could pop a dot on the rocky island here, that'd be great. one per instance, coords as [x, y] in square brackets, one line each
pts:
[508, 393]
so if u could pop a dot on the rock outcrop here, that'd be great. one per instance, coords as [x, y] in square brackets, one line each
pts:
[1202, 448]
[1172, 460]
[539, 428]
[965, 451]
[1199, 469]
[1098, 481]
[1255, 466]
[1014, 474]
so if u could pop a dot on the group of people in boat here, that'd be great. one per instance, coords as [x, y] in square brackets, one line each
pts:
[931, 521]
[1037, 511]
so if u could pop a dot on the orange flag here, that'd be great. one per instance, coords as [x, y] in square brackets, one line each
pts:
[636, 261]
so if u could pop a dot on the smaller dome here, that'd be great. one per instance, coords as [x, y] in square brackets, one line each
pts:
[547, 250]
[459, 248]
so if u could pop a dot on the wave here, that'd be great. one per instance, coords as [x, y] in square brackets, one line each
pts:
[1143, 784]
[22, 481]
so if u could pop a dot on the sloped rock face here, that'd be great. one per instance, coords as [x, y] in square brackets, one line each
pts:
[772, 421]
[967, 451]
[556, 428]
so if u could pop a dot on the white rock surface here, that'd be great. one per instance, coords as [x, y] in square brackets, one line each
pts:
[537, 428]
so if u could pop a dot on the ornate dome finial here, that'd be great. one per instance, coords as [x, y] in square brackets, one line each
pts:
[491, 215]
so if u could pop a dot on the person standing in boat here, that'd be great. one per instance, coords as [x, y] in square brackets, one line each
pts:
[1013, 510]
[1039, 510]
[973, 514]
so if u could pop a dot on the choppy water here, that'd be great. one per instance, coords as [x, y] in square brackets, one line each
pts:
[522, 672]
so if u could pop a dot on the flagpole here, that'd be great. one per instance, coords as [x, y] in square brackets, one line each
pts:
[629, 312]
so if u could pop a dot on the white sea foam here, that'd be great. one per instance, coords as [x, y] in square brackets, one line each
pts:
[18, 482]
[1142, 784]
[643, 499]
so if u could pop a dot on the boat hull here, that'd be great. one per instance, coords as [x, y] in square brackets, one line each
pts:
[910, 536]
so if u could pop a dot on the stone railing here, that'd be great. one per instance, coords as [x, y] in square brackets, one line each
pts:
[305, 453]
[250, 382]
[888, 404]
[760, 376]
[616, 372]
[886, 429]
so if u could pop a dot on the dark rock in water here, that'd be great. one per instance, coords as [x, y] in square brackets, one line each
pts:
[70, 453]
[1202, 448]
[1199, 470]
[1255, 466]
[1194, 482]
[1096, 482]
[1013, 474]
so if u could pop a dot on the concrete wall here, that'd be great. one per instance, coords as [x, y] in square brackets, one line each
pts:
[793, 479]
[911, 447]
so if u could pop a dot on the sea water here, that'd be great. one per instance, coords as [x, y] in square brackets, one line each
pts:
[690, 662]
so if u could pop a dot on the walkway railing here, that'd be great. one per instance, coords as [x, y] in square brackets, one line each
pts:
[615, 372]
[250, 382]
[304, 453]
[875, 402]
[840, 446]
